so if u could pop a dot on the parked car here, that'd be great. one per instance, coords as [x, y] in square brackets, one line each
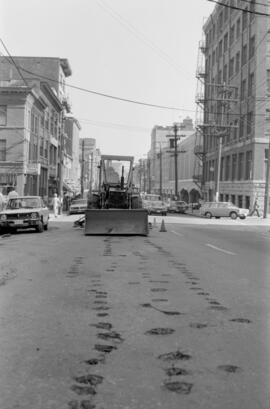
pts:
[223, 209]
[157, 207]
[25, 212]
[78, 206]
[194, 206]
[177, 206]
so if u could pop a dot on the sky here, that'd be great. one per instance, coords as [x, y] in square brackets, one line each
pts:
[140, 50]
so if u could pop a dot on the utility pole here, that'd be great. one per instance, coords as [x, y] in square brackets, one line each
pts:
[82, 169]
[220, 137]
[159, 155]
[175, 161]
[175, 155]
[92, 169]
[267, 177]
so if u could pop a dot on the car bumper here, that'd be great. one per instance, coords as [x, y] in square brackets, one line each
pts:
[19, 224]
[76, 211]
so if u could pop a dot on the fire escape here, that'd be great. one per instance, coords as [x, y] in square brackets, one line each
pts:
[199, 151]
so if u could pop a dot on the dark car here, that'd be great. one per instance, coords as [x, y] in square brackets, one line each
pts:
[25, 212]
[78, 206]
[178, 206]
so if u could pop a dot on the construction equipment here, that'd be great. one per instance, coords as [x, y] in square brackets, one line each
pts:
[116, 208]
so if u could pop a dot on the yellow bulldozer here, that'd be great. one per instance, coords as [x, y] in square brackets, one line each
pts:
[116, 207]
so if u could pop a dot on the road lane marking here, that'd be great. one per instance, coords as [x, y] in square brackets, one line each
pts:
[178, 234]
[219, 249]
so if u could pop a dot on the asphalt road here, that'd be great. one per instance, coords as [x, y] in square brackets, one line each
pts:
[176, 319]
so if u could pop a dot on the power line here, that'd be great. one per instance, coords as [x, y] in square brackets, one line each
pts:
[139, 35]
[252, 2]
[108, 95]
[238, 8]
[14, 63]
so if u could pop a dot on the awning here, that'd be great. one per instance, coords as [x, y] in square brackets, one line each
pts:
[67, 188]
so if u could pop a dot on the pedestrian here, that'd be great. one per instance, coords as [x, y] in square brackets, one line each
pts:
[255, 207]
[56, 203]
[12, 194]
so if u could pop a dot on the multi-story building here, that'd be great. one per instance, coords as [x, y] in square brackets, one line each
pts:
[40, 124]
[28, 139]
[161, 161]
[90, 159]
[236, 100]
[72, 166]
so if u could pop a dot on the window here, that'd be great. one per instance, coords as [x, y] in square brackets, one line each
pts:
[234, 164]
[251, 84]
[240, 165]
[244, 20]
[233, 199]
[232, 29]
[220, 21]
[238, 28]
[250, 122]
[252, 47]
[242, 127]
[235, 130]
[248, 175]
[219, 77]
[237, 62]
[220, 49]
[247, 205]
[225, 73]
[268, 81]
[3, 149]
[231, 67]
[225, 43]
[243, 89]
[252, 9]
[222, 169]
[244, 54]
[226, 13]
[213, 58]
[240, 201]
[3, 115]
[227, 167]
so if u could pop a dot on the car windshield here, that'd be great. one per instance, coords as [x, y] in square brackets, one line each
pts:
[115, 170]
[23, 203]
[77, 202]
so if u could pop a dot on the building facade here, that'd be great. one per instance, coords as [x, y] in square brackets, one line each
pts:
[159, 169]
[29, 141]
[34, 103]
[236, 102]
[90, 160]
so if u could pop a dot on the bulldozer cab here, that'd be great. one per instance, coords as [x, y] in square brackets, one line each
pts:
[116, 171]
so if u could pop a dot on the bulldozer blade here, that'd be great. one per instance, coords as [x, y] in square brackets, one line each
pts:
[116, 222]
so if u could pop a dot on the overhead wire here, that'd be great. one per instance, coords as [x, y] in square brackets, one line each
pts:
[139, 35]
[258, 13]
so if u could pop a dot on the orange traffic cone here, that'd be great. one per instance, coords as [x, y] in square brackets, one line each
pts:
[162, 227]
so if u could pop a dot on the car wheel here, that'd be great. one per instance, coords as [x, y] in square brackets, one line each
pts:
[40, 227]
[233, 215]
[242, 217]
[208, 215]
[217, 217]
